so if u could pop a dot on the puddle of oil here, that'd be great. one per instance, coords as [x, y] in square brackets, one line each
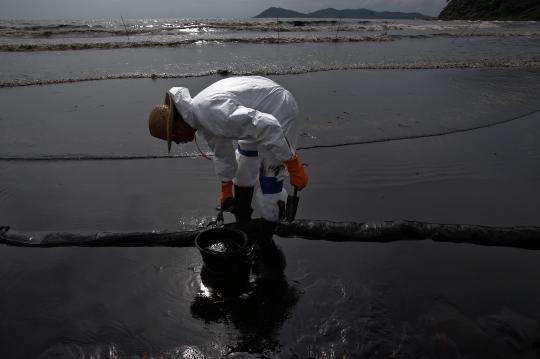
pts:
[223, 247]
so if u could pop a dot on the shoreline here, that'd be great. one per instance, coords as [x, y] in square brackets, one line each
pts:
[531, 64]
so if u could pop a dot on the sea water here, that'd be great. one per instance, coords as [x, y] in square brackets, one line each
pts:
[35, 52]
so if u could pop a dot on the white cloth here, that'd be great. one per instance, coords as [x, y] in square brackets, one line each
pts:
[267, 204]
[247, 172]
[259, 114]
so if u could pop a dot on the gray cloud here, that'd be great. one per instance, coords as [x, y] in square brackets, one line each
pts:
[82, 9]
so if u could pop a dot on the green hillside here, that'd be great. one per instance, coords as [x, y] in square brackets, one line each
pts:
[332, 13]
[491, 10]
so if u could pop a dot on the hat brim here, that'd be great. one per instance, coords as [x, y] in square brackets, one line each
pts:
[170, 119]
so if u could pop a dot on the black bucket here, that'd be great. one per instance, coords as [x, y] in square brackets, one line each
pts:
[223, 251]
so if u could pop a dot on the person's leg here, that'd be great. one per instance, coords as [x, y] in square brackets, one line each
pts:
[245, 179]
[270, 196]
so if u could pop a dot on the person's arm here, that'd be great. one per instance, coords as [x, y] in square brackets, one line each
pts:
[224, 157]
[224, 166]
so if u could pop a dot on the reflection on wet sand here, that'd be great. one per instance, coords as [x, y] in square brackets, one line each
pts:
[257, 306]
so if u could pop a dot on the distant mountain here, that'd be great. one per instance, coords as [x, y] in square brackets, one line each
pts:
[331, 13]
[491, 10]
[279, 12]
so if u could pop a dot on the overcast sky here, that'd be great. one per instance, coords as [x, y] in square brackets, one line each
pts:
[84, 9]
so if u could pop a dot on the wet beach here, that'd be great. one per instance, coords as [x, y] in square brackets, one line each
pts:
[449, 145]
[355, 129]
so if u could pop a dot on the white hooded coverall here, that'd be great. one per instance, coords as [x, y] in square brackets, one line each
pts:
[250, 125]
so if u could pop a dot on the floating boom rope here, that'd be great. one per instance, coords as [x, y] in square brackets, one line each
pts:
[526, 237]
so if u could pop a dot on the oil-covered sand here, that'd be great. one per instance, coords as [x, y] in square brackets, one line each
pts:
[401, 299]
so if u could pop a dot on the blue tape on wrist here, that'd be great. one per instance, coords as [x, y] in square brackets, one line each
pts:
[248, 153]
[270, 185]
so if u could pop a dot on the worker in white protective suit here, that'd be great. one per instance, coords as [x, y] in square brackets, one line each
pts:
[257, 113]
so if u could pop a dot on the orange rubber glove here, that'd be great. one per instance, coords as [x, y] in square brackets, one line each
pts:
[226, 193]
[297, 174]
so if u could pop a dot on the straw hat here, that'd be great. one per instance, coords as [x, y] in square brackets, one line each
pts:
[161, 120]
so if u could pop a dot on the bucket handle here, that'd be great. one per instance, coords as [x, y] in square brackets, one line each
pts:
[219, 221]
